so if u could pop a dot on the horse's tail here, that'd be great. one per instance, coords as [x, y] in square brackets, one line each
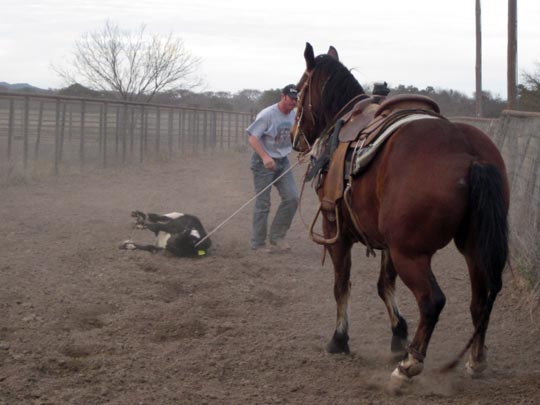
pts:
[488, 220]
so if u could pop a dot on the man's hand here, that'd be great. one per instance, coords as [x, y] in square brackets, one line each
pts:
[269, 163]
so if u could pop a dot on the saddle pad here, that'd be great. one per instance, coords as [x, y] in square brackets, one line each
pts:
[364, 155]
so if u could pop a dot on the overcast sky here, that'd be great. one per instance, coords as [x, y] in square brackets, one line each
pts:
[250, 44]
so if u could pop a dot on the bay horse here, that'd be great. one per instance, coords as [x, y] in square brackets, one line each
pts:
[431, 182]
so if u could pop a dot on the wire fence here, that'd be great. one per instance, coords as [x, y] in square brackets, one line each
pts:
[41, 134]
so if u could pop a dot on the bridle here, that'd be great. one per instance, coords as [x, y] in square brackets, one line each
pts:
[297, 133]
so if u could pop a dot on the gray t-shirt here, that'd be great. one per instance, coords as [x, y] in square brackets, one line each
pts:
[273, 129]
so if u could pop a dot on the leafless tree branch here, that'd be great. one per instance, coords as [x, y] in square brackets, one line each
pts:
[134, 65]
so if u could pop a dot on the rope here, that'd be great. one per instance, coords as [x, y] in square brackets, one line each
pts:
[300, 161]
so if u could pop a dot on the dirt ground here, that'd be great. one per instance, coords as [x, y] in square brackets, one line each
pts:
[83, 322]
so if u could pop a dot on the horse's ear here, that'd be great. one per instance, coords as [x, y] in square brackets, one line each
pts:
[333, 52]
[309, 56]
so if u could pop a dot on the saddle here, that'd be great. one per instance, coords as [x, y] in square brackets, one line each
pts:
[370, 119]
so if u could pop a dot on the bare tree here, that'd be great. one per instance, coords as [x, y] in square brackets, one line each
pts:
[478, 59]
[134, 65]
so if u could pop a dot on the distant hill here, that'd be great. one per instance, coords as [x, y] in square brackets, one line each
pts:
[20, 87]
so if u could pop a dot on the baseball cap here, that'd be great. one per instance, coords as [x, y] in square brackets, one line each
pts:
[290, 90]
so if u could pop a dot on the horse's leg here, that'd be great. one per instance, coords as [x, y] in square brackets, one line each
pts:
[415, 271]
[386, 287]
[340, 254]
[480, 316]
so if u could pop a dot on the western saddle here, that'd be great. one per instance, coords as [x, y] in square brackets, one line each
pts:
[353, 142]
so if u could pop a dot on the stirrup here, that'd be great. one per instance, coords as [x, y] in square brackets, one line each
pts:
[320, 239]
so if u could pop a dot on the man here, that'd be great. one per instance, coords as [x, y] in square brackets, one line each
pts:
[269, 137]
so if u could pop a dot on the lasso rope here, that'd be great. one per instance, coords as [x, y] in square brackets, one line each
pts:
[300, 161]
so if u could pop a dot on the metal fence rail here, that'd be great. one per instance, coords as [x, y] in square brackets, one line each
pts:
[41, 134]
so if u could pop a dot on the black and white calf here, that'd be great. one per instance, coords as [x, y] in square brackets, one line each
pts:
[175, 232]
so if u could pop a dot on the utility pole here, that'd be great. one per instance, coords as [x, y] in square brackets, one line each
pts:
[512, 55]
[478, 68]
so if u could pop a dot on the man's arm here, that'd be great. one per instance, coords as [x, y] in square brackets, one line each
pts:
[255, 144]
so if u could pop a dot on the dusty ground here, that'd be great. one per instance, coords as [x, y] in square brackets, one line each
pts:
[85, 323]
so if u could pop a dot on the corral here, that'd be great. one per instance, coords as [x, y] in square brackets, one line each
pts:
[84, 322]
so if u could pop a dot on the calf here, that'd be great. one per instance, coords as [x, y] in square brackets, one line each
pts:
[175, 232]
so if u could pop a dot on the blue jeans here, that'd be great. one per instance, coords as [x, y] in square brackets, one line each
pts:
[288, 192]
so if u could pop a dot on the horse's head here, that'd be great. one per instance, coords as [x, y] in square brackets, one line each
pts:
[325, 87]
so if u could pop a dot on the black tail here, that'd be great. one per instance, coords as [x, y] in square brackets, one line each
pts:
[488, 214]
[489, 220]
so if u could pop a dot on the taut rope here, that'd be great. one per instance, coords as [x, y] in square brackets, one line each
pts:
[300, 161]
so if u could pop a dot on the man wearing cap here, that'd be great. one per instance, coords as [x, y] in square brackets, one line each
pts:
[269, 137]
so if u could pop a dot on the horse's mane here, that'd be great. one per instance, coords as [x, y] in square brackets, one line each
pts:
[341, 86]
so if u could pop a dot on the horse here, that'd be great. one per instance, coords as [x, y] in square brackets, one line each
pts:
[431, 182]
[177, 233]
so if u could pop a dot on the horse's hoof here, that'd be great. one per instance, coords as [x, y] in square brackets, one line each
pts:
[475, 369]
[338, 344]
[408, 367]
[335, 347]
[398, 380]
[398, 346]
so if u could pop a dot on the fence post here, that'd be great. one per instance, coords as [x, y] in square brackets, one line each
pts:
[57, 138]
[70, 121]
[117, 131]
[10, 129]
[192, 129]
[221, 115]
[81, 141]
[143, 124]
[214, 130]
[131, 130]
[181, 123]
[38, 135]
[158, 130]
[62, 132]
[236, 130]
[124, 130]
[229, 132]
[170, 132]
[25, 134]
[197, 131]
[205, 130]
[105, 125]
